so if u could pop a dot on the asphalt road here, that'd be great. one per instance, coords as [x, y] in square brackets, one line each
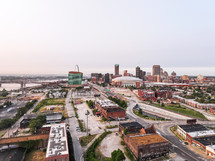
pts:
[72, 121]
[4, 114]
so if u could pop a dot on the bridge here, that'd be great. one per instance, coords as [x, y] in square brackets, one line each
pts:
[23, 82]
[14, 140]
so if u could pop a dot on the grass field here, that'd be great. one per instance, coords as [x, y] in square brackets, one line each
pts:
[183, 110]
[2, 133]
[47, 102]
[83, 140]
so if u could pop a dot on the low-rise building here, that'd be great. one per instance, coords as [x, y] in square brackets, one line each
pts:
[26, 120]
[110, 110]
[142, 141]
[54, 118]
[147, 146]
[195, 104]
[57, 148]
[130, 127]
[199, 136]
[146, 95]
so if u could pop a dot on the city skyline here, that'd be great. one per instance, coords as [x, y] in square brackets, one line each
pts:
[51, 37]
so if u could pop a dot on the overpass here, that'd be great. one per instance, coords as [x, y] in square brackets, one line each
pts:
[15, 140]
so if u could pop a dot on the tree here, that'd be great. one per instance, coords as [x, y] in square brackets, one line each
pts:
[4, 93]
[140, 111]
[36, 124]
[117, 155]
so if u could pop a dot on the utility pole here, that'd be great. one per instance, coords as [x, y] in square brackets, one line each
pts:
[87, 113]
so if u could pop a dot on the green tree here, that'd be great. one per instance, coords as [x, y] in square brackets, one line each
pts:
[4, 93]
[140, 111]
[117, 155]
[36, 124]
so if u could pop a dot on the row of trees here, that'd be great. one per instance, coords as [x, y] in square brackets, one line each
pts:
[118, 101]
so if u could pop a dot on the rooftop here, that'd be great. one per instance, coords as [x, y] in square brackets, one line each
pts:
[115, 109]
[126, 78]
[106, 103]
[57, 144]
[202, 133]
[193, 128]
[53, 116]
[209, 140]
[131, 125]
[147, 139]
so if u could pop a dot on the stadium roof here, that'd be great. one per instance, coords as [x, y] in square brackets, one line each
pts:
[126, 78]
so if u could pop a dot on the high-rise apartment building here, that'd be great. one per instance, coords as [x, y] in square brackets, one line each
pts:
[116, 69]
[156, 70]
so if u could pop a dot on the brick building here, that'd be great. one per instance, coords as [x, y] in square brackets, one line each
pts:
[199, 136]
[146, 95]
[145, 146]
[110, 110]
[143, 142]
[57, 149]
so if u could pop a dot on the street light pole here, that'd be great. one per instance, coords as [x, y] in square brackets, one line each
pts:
[87, 113]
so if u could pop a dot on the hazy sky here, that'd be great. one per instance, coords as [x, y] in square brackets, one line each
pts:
[52, 36]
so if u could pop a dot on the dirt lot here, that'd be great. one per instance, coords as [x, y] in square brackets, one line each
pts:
[110, 143]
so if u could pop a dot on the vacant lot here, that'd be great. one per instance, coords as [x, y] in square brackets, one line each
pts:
[35, 155]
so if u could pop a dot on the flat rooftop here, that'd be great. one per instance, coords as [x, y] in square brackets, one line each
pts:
[106, 103]
[147, 139]
[202, 133]
[131, 125]
[57, 144]
[114, 109]
[209, 140]
[193, 128]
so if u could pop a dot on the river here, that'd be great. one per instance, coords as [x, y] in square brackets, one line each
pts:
[14, 86]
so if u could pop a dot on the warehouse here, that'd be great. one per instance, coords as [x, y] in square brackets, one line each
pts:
[110, 110]
[57, 148]
[147, 146]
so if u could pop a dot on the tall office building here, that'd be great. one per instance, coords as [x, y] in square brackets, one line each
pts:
[107, 78]
[75, 78]
[116, 69]
[138, 72]
[156, 70]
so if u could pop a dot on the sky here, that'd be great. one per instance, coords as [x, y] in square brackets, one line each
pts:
[52, 36]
